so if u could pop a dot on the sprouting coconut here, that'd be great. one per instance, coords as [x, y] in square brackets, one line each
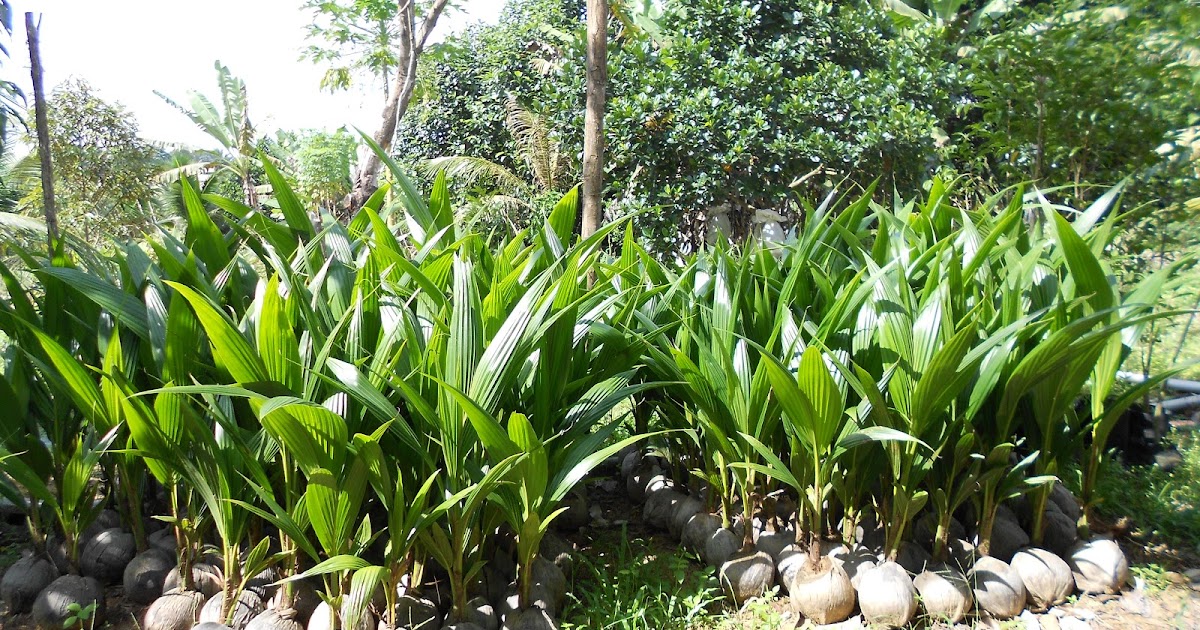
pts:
[301, 600]
[1099, 566]
[210, 625]
[1046, 577]
[482, 614]
[322, 619]
[886, 596]
[24, 580]
[912, 557]
[178, 610]
[249, 605]
[822, 592]
[163, 539]
[106, 555]
[997, 588]
[747, 574]
[145, 574]
[1007, 538]
[944, 593]
[1066, 502]
[52, 608]
[207, 578]
[414, 613]
[274, 619]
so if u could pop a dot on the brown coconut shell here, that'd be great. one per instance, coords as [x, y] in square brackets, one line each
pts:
[249, 605]
[945, 594]
[822, 593]
[304, 600]
[51, 609]
[1098, 566]
[720, 547]
[997, 588]
[145, 574]
[1007, 539]
[1066, 502]
[163, 539]
[24, 580]
[482, 614]
[414, 613]
[178, 610]
[576, 514]
[886, 596]
[746, 575]
[660, 507]
[1059, 532]
[1047, 578]
[857, 562]
[210, 625]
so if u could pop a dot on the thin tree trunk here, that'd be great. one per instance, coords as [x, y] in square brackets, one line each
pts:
[593, 121]
[43, 133]
[366, 178]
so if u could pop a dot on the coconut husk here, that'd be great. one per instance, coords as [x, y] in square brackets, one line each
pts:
[178, 610]
[304, 600]
[772, 542]
[414, 613]
[107, 554]
[559, 551]
[1007, 539]
[1066, 502]
[945, 594]
[822, 593]
[482, 614]
[791, 559]
[163, 539]
[24, 580]
[857, 562]
[322, 619]
[699, 529]
[747, 574]
[997, 588]
[684, 510]
[208, 579]
[925, 530]
[271, 619]
[1047, 578]
[463, 625]
[660, 507]
[720, 547]
[144, 575]
[210, 625]
[547, 575]
[51, 609]
[532, 618]
[886, 596]
[1059, 532]
[1098, 566]
[249, 605]
[912, 557]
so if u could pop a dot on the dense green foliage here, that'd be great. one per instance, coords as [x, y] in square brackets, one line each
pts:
[405, 367]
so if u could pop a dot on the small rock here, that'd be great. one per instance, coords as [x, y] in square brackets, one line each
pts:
[1072, 623]
[1049, 622]
[1085, 614]
[1176, 577]
[1192, 574]
[1057, 612]
[1030, 621]
[1136, 603]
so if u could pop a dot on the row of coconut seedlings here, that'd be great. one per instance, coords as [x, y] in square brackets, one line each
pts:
[857, 575]
[415, 381]
[898, 382]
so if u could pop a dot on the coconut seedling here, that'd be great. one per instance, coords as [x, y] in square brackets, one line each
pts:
[820, 431]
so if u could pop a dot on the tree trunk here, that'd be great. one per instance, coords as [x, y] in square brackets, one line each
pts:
[593, 121]
[366, 178]
[43, 133]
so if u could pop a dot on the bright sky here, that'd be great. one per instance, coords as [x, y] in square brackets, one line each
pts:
[126, 49]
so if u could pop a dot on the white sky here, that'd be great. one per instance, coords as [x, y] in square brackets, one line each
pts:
[126, 49]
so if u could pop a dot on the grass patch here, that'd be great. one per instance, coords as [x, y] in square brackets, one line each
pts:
[1164, 507]
[630, 584]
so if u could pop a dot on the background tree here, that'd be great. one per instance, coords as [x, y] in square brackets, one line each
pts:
[104, 173]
